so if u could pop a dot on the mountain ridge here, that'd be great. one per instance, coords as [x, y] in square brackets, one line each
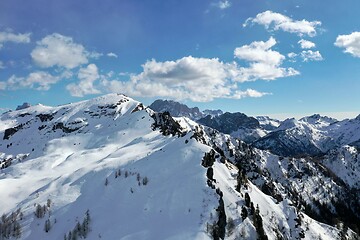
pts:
[111, 159]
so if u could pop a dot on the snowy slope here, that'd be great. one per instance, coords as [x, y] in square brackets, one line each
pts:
[70, 169]
[295, 179]
[122, 171]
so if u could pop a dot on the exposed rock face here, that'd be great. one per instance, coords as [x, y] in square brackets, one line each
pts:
[230, 122]
[23, 106]
[176, 109]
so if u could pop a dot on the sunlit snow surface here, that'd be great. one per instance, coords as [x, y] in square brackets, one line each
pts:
[70, 162]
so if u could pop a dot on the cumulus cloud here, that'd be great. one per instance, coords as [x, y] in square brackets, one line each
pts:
[351, 43]
[305, 44]
[111, 54]
[276, 21]
[223, 4]
[8, 36]
[36, 80]
[2, 65]
[266, 72]
[59, 50]
[85, 86]
[260, 52]
[197, 79]
[205, 79]
[264, 62]
[310, 55]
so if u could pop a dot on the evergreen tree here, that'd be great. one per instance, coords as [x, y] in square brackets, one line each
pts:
[244, 213]
[145, 181]
[40, 211]
[247, 200]
[106, 182]
[48, 203]
[47, 226]
[138, 177]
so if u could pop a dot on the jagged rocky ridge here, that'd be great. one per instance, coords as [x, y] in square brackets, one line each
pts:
[87, 163]
[236, 124]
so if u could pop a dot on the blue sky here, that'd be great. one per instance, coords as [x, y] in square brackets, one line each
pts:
[275, 57]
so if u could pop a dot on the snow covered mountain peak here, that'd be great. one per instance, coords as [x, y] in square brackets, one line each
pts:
[288, 123]
[111, 168]
[319, 120]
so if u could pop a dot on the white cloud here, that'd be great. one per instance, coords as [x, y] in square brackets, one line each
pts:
[292, 55]
[264, 62]
[249, 93]
[310, 55]
[8, 36]
[260, 52]
[85, 86]
[223, 4]
[2, 65]
[204, 79]
[350, 42]
[305, 44]
[59, 50]
[197, 79]
[276, 21]
[95, 55]
[36, 80]
[267, 72]
[111, 54]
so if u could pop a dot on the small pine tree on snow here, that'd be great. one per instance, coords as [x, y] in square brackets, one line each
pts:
[247, 200]
[244, 213]
[48, 203]
[87, 216]
[119, 172]
[126, 174]
[259, 225]
[40, 211]
[85, 224]
[252, 209]
[47, 226]
[44, 210]
[17, 230]
[78, 227]
[138, 177]
[145, 181]
[116, 174]
[106, 182]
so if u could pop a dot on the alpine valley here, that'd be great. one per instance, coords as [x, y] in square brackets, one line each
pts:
[112, 168]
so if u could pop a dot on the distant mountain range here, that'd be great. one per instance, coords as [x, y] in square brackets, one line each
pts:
[309, 136]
